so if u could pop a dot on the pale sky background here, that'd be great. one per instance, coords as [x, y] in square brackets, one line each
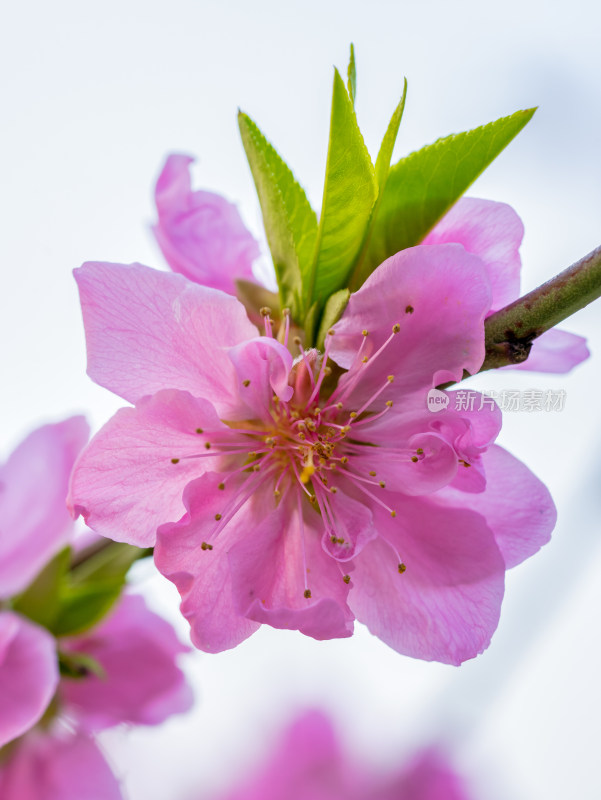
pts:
[94, 95]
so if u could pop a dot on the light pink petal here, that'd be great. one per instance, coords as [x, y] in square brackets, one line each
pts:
[200, 233]
[28, 674]
[203, 576]
[429, 776]
[439, 297]
[435, 463]
[34, 521]
[517, 506]
[349, 526]
[555, 351]
[263, 368]
[492, 231]
[307, 764]
[59, 766]
[445, 606]
[126, 483]
[148, 330]
[143, 684]
[272, 569]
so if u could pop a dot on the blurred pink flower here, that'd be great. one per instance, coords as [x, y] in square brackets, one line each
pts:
[200, 233]
[310, 764]
[52, 762]
[34, 526]
[494, 232]
[62, 765]
[309, 503]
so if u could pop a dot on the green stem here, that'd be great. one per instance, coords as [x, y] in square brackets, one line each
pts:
[509, 333]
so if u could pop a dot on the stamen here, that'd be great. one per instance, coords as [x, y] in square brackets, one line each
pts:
[321, 375]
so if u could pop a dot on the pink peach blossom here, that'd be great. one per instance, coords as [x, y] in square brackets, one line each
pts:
[282, 496]
[494, 232]
[200, 233]
[309, 763]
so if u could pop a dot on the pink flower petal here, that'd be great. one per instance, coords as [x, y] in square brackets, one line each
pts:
[202, 576]
[516, 505]
[307, 764]
[555, 351]
[34, 521]
[439, 297]
[263, 368]
[142, 685]
[200, 233]
[446, 605]
[350, 526]
[28, 674]
[493, 232]
[126, 483]
[282, 576]
[59, 766]
[148, 330]
[429, 776]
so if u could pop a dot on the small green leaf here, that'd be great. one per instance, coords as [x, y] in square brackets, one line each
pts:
[290, 222]
[332, 312]
[388, 142]
[352, 76]
[350, 192]
[40, 601]
[423, 186]
[79, 665]
[83, 606]
[382, 170]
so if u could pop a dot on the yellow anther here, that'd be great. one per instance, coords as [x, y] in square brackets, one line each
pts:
[256, 467]
[277, 493]
[344, 460]
[402, 568]
[409, 310]
[207, 445]
[297, 340]
[199, 430]
[308, 469]
[339, 541]
[331, 332]
[346, 578]
[333, 490]
[382, 485]
[396, 328]
[393, 513]
[333, 539]
[365, 332]
[353, 414]
[175, 460]
[307, 593]
[339, 405]
[390, 378]
[317, 411]
[372, 472]
[389, 403]
[327, 371]
[414, 459]
[246, 382]
[265, 311]
[205, 546]
[364, 360]
[221, 487]
[217, 517]
[420, 451]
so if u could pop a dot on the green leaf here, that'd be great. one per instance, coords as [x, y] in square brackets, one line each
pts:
[382, 170]
[332, 312]
[83, 606]
[350, 192]
[290, 222]
[79, 665]
[352, 76]
[423, 186]
[40, 601]
[388, 142]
